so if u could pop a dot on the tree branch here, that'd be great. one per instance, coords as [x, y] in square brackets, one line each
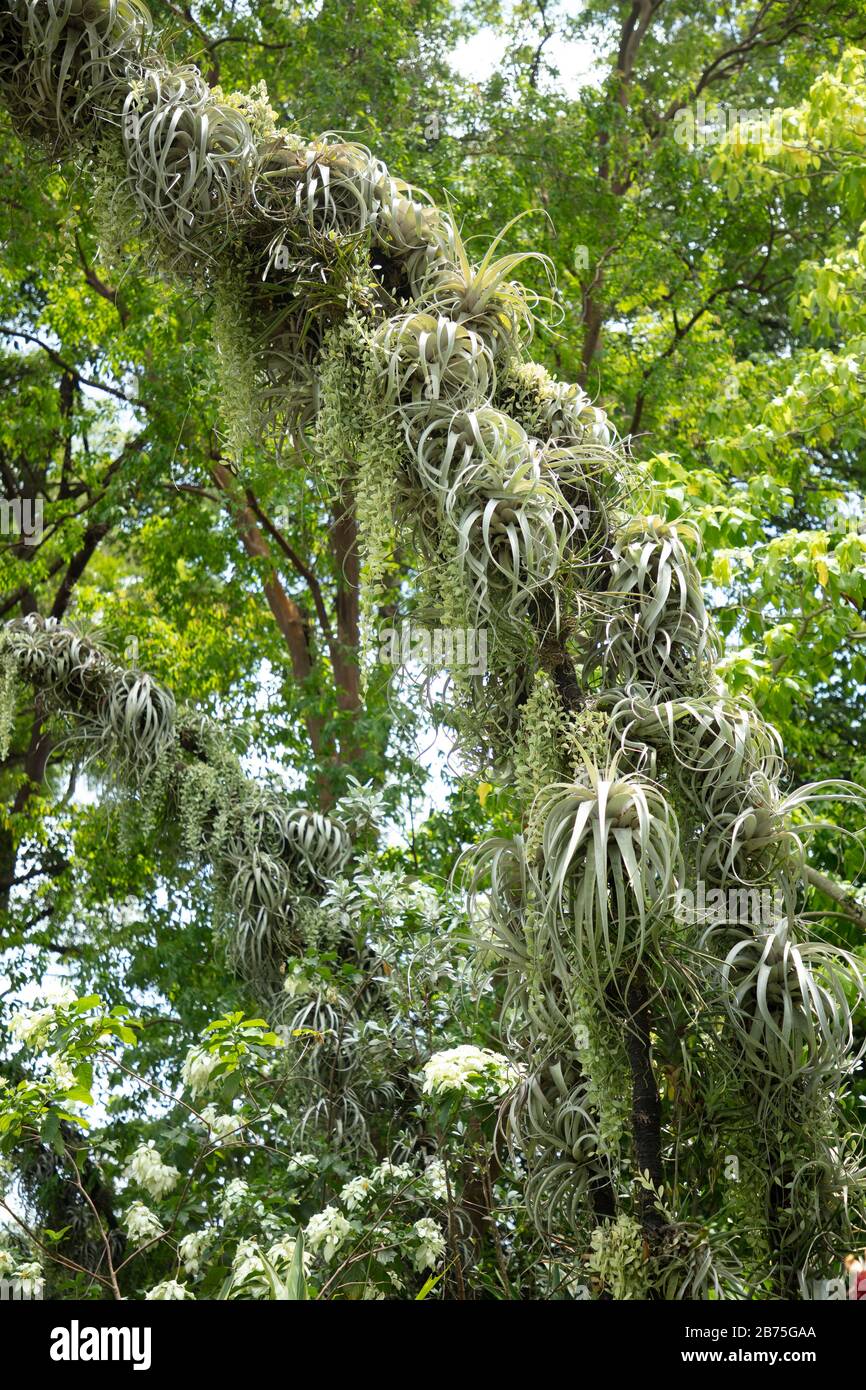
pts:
[851, 908]
[105, 291]
[288, 616]
[67, 367]
[645, 1104]
[297, 564]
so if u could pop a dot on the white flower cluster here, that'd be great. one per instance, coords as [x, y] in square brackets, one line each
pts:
[169, 1289]
[26, 1277]
[61, 1072]
[198, 1068]
[282, 1252]
[355, 1192]
[255, 107]
[223, 1129]
[389, 1172]
[237, 1197]
[423, 1242]
[235, 1194]
[434, 1179]
[191, 1249]
[476, 1071]
[148, 1170]
[431, 1243]
[326, 1231]
[247, 1262]
[142, 1224]
[31, 1026]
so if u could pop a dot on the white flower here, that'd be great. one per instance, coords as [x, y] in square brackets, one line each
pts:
[326, 1231]
[142, 1224]
[191, 1248]
[148, 1170]
[248, 1269]
[394, 1172]
[169, 1289]
[255, 106]
[224, 1129]
[302, 1163]
[431, 1245]
[434, 1179]
[61, 1072]
[474, 1070]
[354, 1193]
[198, 1069]
[30, 1026]
[5, 1262]
[236, 1194]
[247, 1261]
[29, 1277]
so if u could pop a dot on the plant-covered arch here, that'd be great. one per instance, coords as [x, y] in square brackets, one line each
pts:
[357, 334]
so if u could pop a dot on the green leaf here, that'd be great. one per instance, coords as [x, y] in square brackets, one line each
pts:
[428, 1286]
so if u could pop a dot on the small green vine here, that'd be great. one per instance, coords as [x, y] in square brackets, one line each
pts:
[8, 696]
[539, 751]
[619, 1259]
[605, 1064]
[234, 364]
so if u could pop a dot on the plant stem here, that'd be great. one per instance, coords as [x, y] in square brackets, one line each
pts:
[645, 1102]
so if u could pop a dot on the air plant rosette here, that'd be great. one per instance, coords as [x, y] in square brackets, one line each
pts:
[658, 634]
[266, 857]
[610, 865]
[429, 358]
[189, 159]
[759, 833]
[788, 1002]
[409, 228]
[552, 1130]
[64, 64]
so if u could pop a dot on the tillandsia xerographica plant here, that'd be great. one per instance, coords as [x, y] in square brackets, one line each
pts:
[265, 857]
[400, 366]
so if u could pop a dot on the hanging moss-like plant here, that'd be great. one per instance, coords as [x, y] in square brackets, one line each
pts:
[8, 698]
